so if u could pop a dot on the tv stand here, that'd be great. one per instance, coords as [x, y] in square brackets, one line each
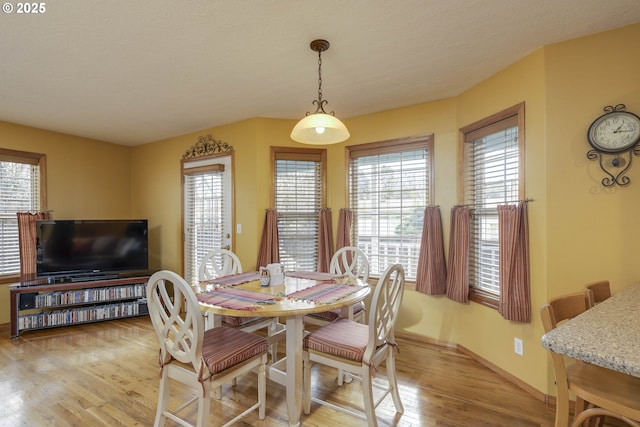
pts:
[40, 304]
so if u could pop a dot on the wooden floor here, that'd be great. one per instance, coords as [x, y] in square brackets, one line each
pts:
[106, 374]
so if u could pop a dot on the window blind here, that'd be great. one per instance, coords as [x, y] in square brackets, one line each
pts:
[203, 210]
[298, 199]
[389, 190]
[492, 177]
[19, 192]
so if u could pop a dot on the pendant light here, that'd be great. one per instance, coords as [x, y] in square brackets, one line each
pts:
[320, 127]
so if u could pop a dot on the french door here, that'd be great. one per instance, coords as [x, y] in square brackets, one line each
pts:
[207, 210]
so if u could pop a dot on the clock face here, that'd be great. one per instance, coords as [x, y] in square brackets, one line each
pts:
[614, 132]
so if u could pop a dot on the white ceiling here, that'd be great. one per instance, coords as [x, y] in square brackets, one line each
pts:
[137, 71]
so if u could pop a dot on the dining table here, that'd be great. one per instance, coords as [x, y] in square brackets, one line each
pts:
[300, 293]
[607, 335]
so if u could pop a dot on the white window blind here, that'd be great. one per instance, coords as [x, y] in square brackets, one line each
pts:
[492, 177]
[19, 192]
[298, 199]
[203, 211]
[389, 190]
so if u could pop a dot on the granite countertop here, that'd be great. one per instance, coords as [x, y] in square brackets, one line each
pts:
[607, 335]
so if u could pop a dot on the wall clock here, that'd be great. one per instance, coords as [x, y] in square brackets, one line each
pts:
[614, 137]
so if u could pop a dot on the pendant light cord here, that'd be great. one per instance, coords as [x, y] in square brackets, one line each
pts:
[320, 76]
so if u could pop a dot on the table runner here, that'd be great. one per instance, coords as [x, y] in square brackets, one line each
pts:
[312, 275]
[237, 299]
[236, 279]
[325, 293]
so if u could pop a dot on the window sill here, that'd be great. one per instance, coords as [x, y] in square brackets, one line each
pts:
[476, 295]
[485, 298]
[9, 279]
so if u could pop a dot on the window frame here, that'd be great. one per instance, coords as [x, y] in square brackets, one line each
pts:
[299, 154]
[392, 146]
[34, 159]
[474, 131]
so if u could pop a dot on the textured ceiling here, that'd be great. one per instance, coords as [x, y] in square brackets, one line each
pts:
[132, 72]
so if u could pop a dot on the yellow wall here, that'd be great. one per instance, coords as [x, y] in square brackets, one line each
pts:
[599, 226]
[579, 231]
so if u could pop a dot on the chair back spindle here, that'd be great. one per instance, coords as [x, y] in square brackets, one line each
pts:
[218, 263]
[351, 261]
[176, 318]
[385, 306]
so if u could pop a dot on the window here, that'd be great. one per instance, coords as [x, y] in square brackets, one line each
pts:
[389, 188]
[21, 190]
[492, 150]
[207, 212]
[299, 183]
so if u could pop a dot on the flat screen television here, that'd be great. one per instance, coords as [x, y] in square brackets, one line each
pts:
[87, 249]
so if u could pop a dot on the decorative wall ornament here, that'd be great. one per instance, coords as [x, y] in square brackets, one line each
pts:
[206, 146]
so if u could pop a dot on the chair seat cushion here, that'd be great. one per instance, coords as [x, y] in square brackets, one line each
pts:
[332, 315]
[234, 322]
[343, 338]
[224, 347]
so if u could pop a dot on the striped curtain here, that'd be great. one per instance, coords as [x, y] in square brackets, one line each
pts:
[515, 298]
[431, 278]
[325, 240]
[27, 242]
[345, 222]
[458, 274]
[269, 245]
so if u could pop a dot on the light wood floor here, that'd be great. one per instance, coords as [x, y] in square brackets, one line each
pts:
[106, 374]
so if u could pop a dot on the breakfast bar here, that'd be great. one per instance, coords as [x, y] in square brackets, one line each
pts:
[606, 335]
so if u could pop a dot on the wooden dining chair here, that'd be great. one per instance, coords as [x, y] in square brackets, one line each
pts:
[359, 349]
[613, 393]
[202, 360]
[350, 261]
[601, 290]
[223, 262]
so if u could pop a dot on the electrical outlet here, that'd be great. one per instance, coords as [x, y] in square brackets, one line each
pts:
[518, 347]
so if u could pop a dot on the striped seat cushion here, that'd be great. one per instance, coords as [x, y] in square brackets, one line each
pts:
[234, 322]
[343, 338]
[224, 347]
[332, 315]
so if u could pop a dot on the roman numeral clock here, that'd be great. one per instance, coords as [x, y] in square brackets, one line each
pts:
[614, 137]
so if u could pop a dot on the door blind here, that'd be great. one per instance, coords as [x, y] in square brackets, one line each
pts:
[204, 212]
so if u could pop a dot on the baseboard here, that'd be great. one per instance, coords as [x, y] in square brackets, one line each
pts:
[551, 400]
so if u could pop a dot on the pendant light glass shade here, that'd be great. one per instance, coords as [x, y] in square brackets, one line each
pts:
[320, 129]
